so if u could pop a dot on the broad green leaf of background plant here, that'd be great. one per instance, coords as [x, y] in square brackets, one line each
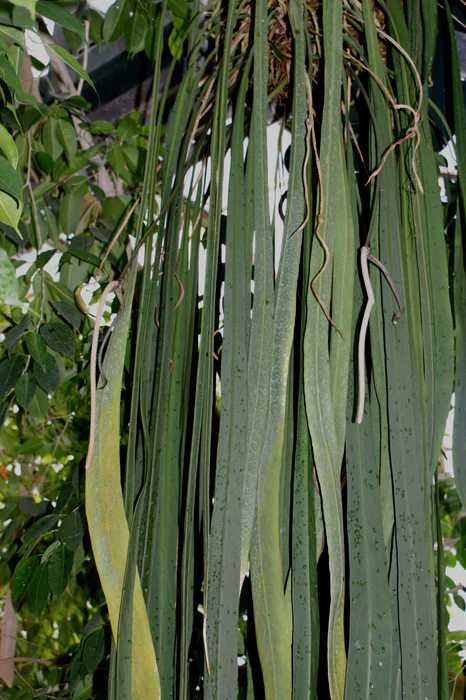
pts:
[9, 287]
[61, 16]
[28, 4]
[10, 211]
[70, 61]
[10, 181]
[12, 34]
[8, 146]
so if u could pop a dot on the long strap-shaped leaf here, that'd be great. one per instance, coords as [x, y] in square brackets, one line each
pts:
[371, 670]
[320, 390]
[159, 563]
[225, 534]
[105, 509]
[307, 530]
[272, 609]
[422, 383]
[262, 314]
[459, 288]
[205, 374]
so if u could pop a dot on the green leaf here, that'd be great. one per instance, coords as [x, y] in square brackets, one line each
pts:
[178, 8]
[13, 34]
[59, 567]
[29, 506]
[58, 337]
[58, 14]
[40, 527]
[101, 126]
[38, 590]
[130, 126]
[71, 530]
[21, 17]
[175, 43]
[31, 397]
[70, 61]
[22, 579]
[43, 258]
[37, 346]
[44, 161]
[93, 649]
[117, 160]
[83, 690]
[113, 210]
[271, 596]
[69, 312]
[326, 374]
[225, 532]
[67, 137]
[9, 287]
[10, 371]
[131, 154]
[113, 23]
[10, 181]
[50, 139]
[10, 211]
[47, 373]
[8, 146]
[25, 389]
[30, 5]
[136, 36]
[63, 302]
[49, 552]
[70, 212]
[9, 75]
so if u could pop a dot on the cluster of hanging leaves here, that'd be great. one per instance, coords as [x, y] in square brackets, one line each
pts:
[279, 471]
[275, 534]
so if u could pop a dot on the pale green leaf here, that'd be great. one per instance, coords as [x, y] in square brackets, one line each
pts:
[8, 146]
[28, 4]
[9, 287]
[70, 61]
